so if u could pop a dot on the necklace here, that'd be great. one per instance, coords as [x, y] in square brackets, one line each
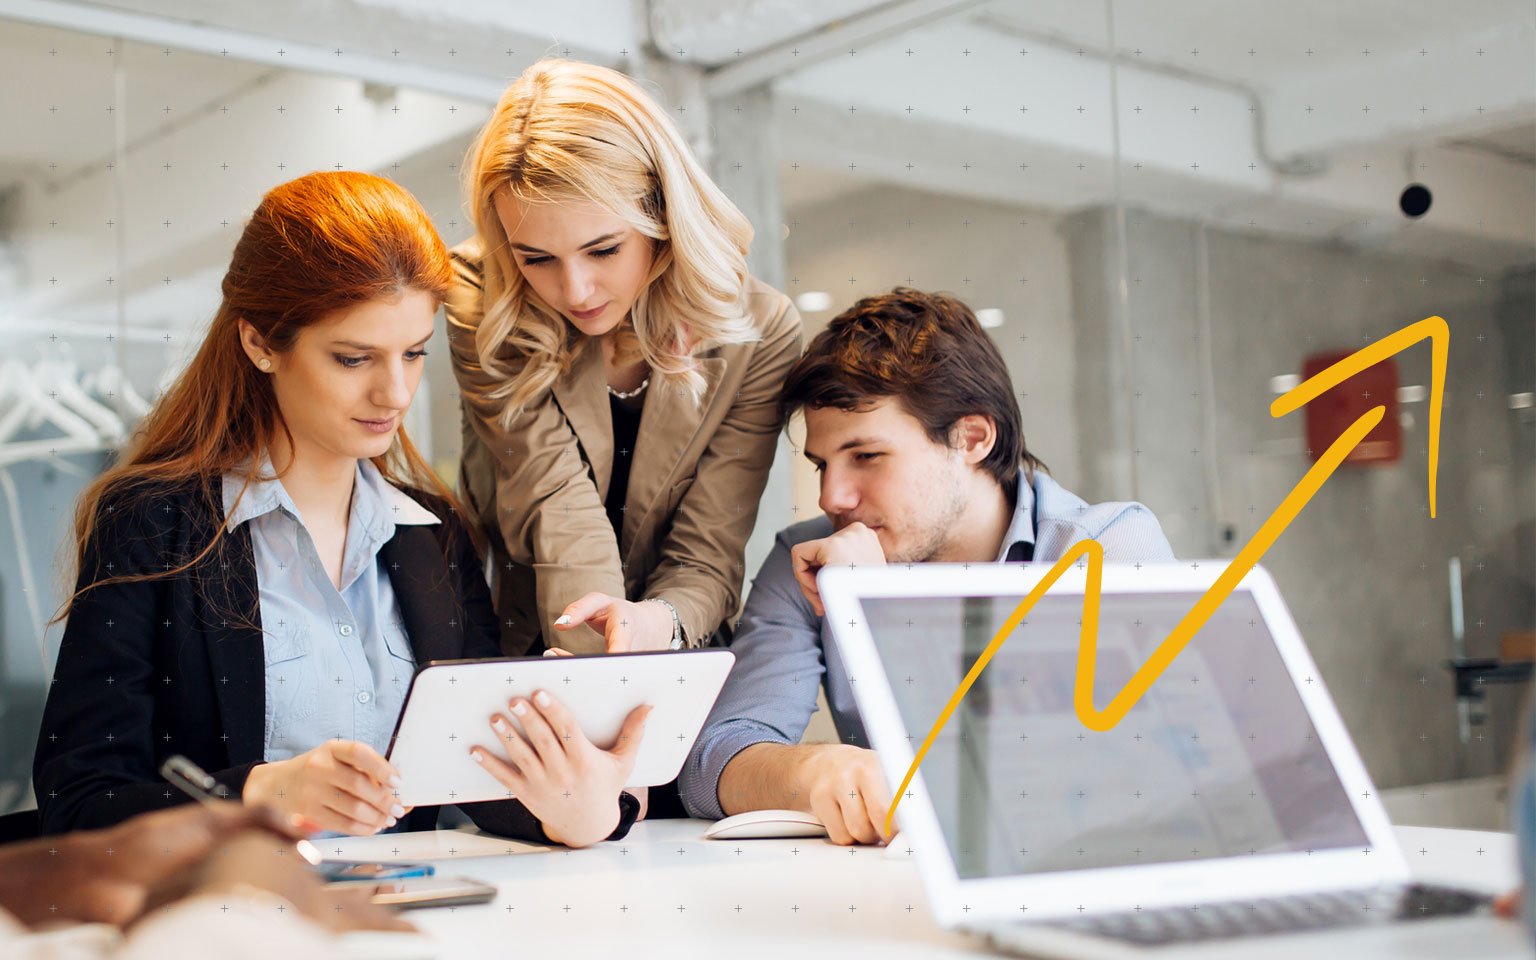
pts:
[633, 393]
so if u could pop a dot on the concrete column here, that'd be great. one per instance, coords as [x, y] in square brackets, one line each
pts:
[746, 166]
[1363, 568]
[1104, 374]
[736, 140]
[745, 163]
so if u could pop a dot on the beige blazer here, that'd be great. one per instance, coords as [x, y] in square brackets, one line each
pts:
[694, 485]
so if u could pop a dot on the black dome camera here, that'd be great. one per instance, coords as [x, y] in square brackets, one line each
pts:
[1415, 200]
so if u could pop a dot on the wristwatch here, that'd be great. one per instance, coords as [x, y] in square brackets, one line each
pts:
[629, 811]
[678, 641]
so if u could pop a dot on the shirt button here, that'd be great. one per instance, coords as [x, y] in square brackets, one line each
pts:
[364, 696]
[345, 629]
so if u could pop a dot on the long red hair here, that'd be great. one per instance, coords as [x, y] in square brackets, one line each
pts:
[315, 245]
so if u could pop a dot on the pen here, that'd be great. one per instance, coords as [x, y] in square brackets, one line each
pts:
[196, 783]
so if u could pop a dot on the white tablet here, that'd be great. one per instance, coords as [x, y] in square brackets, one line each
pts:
[449, 705]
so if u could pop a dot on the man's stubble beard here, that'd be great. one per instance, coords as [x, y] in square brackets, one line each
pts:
[937, 534]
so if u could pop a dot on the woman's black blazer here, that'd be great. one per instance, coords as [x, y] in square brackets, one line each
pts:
[176, 664]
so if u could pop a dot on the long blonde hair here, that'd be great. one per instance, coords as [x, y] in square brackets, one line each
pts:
[567, 131]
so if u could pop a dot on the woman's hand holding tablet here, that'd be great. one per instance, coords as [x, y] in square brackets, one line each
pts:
[612, 720]
[570, 784]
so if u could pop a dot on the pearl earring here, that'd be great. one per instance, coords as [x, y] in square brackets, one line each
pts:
[265, 365]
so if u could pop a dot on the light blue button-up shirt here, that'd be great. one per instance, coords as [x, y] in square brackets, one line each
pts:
[784, 651]
[338, 662]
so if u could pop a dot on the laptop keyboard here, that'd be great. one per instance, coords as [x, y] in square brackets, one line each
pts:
[1294, 914]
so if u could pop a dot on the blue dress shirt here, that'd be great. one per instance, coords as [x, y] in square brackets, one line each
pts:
[338, 662]
[784, 651]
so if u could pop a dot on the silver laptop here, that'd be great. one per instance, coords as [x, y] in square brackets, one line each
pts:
[1228, 802]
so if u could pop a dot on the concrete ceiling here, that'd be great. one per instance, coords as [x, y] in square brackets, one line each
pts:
[1516, 143]
[1013, 102]
[1258, 42]
[69, 114]
[1005, 101]
[492, 39]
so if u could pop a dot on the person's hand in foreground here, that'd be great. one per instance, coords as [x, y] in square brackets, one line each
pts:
[108, 876]
[259, 859]
[1507, 905]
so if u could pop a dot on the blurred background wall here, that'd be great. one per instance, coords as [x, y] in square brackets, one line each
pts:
[1162, 209]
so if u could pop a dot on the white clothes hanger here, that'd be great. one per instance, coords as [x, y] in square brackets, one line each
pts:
[111, 382]
[54, 393]
[25, 401]
[32, 405]
[61, 379]
[15, 406]
[23, 554]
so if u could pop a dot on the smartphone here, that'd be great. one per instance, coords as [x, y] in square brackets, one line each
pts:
[432, 892]
[346, 871]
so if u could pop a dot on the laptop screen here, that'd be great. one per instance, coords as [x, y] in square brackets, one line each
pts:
[1218, 759]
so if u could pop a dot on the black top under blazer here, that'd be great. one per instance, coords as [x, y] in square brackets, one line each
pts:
[176, 664]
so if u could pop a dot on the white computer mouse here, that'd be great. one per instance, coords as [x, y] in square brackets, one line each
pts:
[766, 824]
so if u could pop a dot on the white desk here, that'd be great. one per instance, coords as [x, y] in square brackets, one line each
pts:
[667, 892]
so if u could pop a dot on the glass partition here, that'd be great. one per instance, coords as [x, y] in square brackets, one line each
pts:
[1169, 215]
[118, 211]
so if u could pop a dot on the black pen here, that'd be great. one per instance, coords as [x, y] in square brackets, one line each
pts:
[196, 783]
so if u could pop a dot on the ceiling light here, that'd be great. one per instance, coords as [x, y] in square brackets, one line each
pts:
[814, 301]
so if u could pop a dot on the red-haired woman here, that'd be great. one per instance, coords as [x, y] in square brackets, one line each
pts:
[260, 574]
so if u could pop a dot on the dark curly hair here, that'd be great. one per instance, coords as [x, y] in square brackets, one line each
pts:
[929, 353]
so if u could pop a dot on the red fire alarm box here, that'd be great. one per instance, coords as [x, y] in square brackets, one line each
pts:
[1331, 414]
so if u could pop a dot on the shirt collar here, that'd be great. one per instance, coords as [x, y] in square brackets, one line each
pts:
[1021, 529]
[387, 501]
[378, 505]
[260, 497]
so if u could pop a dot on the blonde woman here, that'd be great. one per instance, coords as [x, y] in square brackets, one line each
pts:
[619, 369]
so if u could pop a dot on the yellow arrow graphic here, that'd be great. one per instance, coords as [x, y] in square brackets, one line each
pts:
[1439, 335]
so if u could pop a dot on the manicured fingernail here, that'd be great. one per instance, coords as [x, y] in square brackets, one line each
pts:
[519, 707]
[394, 779]
[390, 823]
[397, 811]
[541, 698]
[564, 620]
[550, 653]
[309, 852]
[477, 756]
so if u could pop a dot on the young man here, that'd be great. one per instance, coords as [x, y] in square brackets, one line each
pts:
[910, 419]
